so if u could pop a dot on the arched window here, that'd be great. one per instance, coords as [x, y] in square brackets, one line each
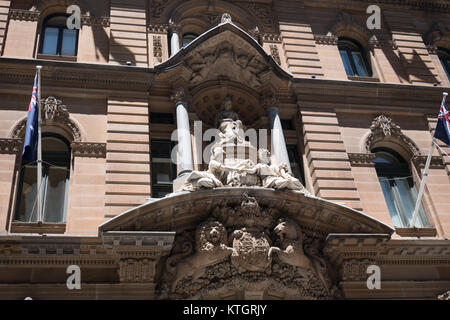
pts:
[398, 187]
[188, 38]
[354, 58]
[444, 56]
[55, 176]
[56, 38]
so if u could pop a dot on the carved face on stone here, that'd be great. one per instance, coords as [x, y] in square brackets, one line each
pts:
[227, 104]
[211, 232]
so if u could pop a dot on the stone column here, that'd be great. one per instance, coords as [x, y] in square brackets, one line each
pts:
[185, 163]
[175, 38]
[279, 149]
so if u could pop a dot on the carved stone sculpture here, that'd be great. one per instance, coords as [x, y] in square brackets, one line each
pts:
[211, 238]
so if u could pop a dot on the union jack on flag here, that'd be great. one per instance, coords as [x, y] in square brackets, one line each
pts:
[443, 126]
[31, 133]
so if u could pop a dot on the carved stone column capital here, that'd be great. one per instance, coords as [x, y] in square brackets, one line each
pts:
[180, 95]
[174, 27]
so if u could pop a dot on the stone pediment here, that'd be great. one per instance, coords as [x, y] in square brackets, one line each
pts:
[224, 52]
[185, 210]
[253, 239]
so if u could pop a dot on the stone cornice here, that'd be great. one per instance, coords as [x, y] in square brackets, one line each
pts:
[361, 159]
[95, 21]
[89, 149]
[326, 39]
[77, 75]
[437, 162]
[438, 5]
[158, 28]
[15, 14]
[10, 146]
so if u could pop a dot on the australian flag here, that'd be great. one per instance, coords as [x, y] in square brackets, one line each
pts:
[31, 133]
[443, 125]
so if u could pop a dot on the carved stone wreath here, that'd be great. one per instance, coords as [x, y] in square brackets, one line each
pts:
[384, 127]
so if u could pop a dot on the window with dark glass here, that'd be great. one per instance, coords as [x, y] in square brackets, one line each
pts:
[354, 58]
[398, 188]
[55, 177]
[296, 163]
[188, 38]
[163, 170]
[56, 38]
[161, 118]
[444, 57]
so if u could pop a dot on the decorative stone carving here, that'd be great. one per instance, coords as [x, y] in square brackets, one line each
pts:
[235, 162]
[384, 127]
[15, 14]
[174, 27]
[10, 146]
[326, 39]
[275, 54]
[380, 43]
[355, 269]
[211, 248]
[158, 28]
[234, 252]
[437, 162]
[438, 32]
[89, 149]
[52, 110]
[226, 18]
[225, 60]
[95, 21]
[271, 37]
[157, 48]
[444, 296]
[345, 24]
[361, 159]
[263, 12]
[179, 95]
[156, 7]
[432, 49]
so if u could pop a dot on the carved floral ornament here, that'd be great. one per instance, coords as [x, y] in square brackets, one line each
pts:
[54, 112]
[384, 128]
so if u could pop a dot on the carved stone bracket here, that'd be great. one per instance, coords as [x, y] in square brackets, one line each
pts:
[26, 15]
[361, 159]
[437, 162]
[383, 128]
[381, 43]
[157, 7]
[158, 28]
[174, 27]
[326, 39]
[89, 149]
[10, 146]
[137, 253]
[271, 37]
[432, 49]
[95, 21]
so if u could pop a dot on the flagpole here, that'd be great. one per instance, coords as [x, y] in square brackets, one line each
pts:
[39, 151]
[425, 175]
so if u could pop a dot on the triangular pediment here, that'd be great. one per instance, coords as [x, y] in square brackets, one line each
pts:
[224, 52]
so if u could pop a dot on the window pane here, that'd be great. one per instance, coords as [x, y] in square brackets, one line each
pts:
[295, 162]
[69, 42]
[50, 44]
[27, 211]
[346, 61]
[446, 65]
[163, 170]
[388, 196]
[360, 64]
[55, 195]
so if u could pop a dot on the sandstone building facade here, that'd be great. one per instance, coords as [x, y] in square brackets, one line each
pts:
[350, 110]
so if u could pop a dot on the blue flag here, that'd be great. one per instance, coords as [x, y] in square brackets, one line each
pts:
[31, 133]
[442, 131]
